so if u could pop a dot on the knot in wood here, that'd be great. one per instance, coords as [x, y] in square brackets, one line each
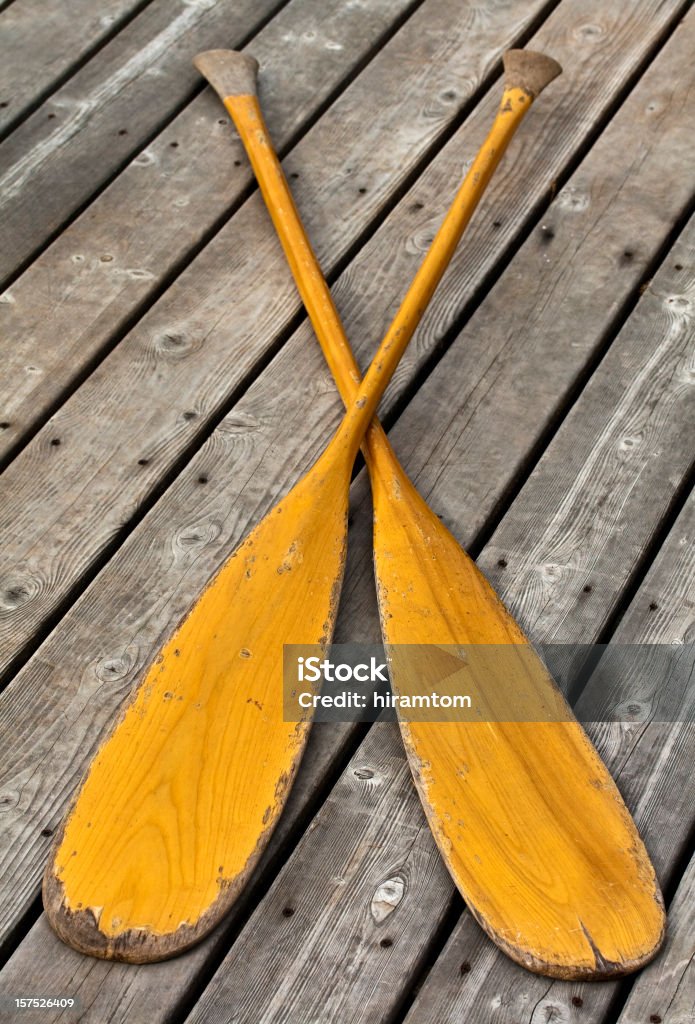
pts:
[386, 897]
[550, 1013]
[239, 422]
[680, 305]
[16, 591]
[113, 668]
[174, 344]
[196, 536]
[589, 31]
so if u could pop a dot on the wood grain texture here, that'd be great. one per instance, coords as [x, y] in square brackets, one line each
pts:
[130, 422]
[92, 280]
[633, 386]
[41, 47]
[71, 145]
[666, 990]
[84, 671]
[651, 761]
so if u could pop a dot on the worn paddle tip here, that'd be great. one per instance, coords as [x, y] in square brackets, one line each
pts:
[554, 963]
[81, 929]
[528, 70]
[229, 72]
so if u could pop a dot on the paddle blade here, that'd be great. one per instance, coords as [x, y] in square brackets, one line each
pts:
[180, 801]
[528, 820]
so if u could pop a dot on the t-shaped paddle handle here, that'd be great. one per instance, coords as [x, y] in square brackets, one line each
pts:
[232, 73]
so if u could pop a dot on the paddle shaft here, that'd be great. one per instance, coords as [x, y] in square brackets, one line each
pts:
[361, 398]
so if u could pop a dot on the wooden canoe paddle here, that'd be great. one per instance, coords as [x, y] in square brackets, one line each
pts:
[181, 799]
[528, 820]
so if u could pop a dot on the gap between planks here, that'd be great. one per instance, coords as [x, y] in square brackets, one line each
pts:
[62, 156]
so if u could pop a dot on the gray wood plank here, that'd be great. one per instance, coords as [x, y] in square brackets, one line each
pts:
[652, 763]
[178, 539]
[91, 282]
[132, 420]
[665, 992]
[644, 383]
[159, 390]
[71, 145]
[42, 43]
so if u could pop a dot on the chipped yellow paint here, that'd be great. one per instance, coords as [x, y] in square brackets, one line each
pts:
[180, 800]
[528, 820]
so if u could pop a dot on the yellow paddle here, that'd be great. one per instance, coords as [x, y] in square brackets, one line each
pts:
[528, 820]
[180, 800]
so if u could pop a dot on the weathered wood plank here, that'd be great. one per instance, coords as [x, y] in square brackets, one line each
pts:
[43, 44]
[650, 761]
[68, 148]
[592, 235]
[149, 401]
[665, 992]
[158, 391]
[93, 279]
[641, 389]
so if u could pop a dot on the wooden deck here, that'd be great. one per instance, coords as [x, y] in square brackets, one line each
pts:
[156, 365]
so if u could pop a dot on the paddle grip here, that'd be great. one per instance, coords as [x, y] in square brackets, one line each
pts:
[529, 70]
[229, 72]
